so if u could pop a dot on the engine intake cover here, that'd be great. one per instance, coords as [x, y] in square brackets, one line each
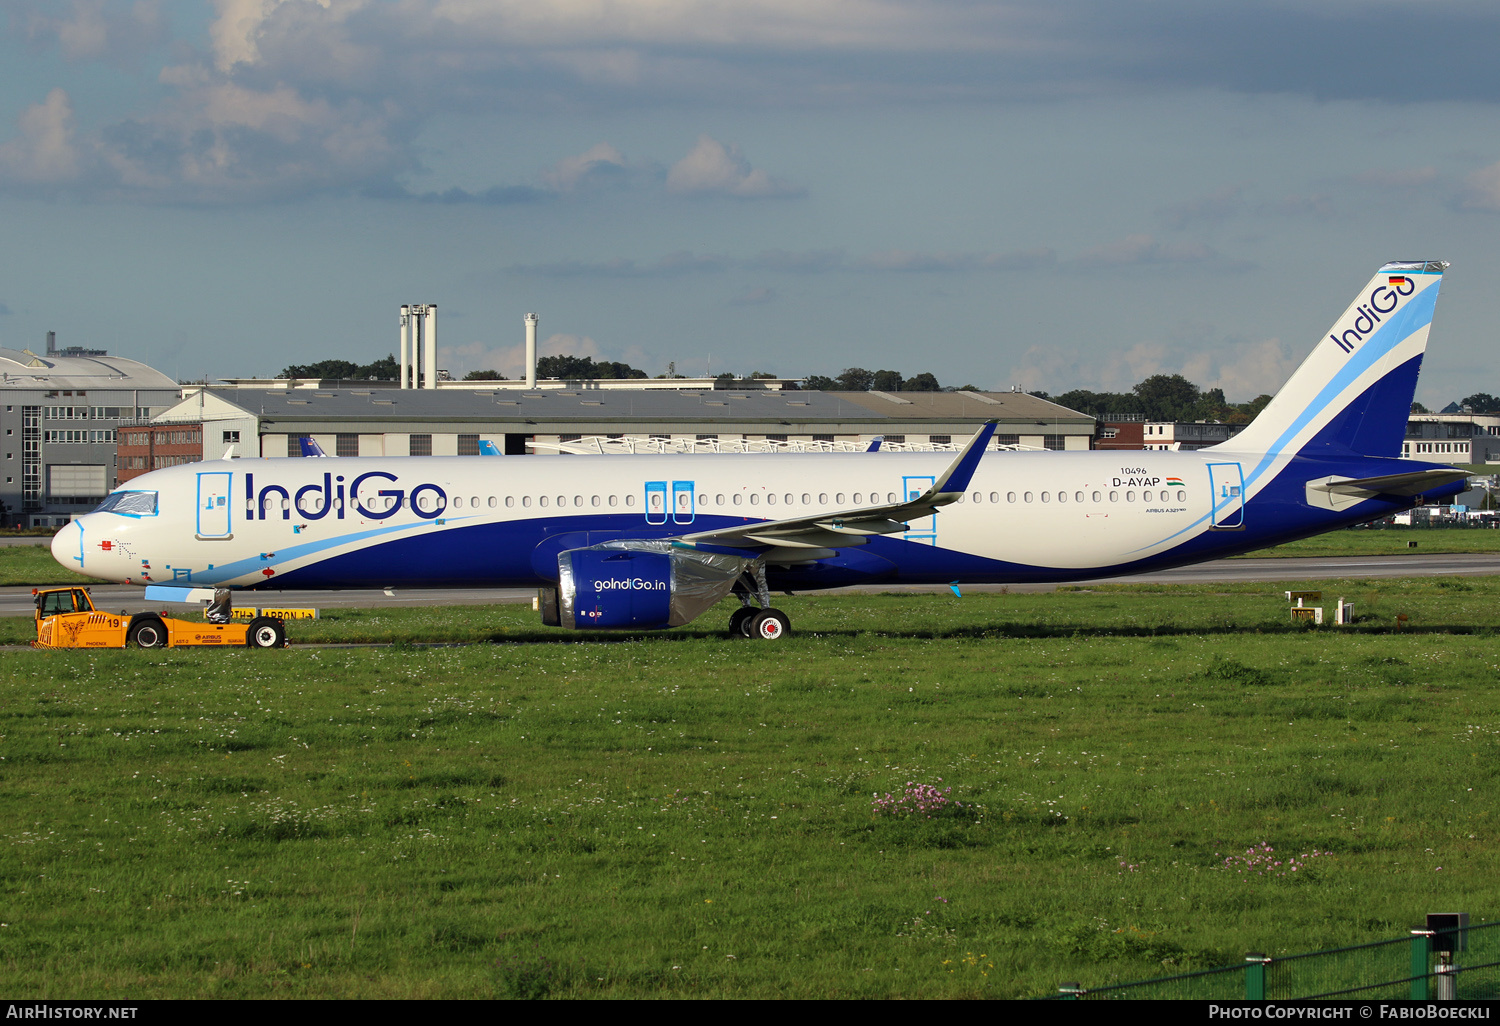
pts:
[640, 584]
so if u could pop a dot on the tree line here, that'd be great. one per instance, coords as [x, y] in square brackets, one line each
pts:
[1479, 402]
[857, 379]
[1169, 397]
[1164, 397]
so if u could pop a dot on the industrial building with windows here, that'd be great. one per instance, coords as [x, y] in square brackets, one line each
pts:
[60, 412]
[210, 423]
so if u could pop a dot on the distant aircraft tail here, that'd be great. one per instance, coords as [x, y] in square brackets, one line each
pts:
[1353, 393]
[488, 448]
[310, 447]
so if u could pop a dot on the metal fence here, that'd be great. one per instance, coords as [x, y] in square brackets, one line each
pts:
[1399, 968]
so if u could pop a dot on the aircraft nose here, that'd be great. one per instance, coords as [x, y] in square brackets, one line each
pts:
[67, 545]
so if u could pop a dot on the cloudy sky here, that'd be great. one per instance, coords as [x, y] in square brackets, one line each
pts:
[1051, 193]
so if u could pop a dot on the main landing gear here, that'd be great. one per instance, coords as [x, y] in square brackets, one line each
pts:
[764, 623]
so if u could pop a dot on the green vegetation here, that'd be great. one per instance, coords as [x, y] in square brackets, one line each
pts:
[682, 815]
[33, 565]
[1162, 397]
[346, 370]
[857, 379]
[1387, 541]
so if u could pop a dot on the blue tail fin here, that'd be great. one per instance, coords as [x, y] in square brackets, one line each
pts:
[1354, 391]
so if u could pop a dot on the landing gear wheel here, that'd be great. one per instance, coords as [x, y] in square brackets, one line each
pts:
[265, 632]
[770, 625]
[739, 621]
[148, 634]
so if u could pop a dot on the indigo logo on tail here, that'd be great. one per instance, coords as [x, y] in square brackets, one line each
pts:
[1383, 300]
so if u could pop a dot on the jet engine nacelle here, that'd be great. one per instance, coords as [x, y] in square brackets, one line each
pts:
[636, 585]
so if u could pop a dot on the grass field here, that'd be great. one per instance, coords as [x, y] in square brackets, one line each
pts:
[1387, 541]
[681, 815]
[32, 565]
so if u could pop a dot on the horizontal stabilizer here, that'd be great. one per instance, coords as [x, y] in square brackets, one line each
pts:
[1339, 493]
[1414, 483]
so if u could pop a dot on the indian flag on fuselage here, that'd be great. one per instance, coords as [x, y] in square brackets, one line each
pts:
[1175, 482]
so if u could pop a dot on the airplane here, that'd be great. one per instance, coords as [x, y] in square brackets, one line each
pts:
[654, 541]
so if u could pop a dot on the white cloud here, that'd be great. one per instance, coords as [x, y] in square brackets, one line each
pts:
[909, 260]
[1243, 370]
[1406, 178]
[85, 33]
[43, 153]
[600, 163]
[221, 140]
[235, 32]
[1253, 369]
[713, 169]
[97, 29]
[1482, 188]
[1145, 249]
[1215, 207]
[755, 297]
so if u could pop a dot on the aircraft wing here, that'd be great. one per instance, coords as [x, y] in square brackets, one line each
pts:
[1414, 483]
[820, 535]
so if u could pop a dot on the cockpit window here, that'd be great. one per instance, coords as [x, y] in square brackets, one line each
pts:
[135, 504]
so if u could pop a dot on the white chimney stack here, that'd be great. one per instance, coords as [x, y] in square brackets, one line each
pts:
[531, 321]
[419, 345]
[429, 340]
[405, 322]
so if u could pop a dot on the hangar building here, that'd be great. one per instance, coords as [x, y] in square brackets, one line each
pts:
[374, 421]
[59, 414]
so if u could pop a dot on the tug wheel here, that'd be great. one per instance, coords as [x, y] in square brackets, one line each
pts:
[265, 632]
[148, 634]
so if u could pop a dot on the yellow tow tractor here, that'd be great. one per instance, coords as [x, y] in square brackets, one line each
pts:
[66, 618]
